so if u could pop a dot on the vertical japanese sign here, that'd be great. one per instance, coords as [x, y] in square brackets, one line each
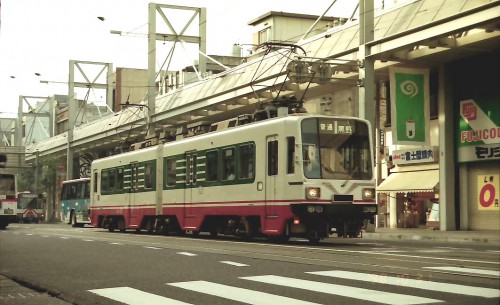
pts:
[488, 188]
[479, 130]
[410, 106]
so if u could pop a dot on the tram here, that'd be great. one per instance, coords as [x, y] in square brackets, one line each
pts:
[291, 175]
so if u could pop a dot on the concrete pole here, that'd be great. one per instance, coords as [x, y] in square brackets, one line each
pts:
[71, 119]
[202, 61]
[447, 221]
[19, 123]
[151, 67]
[366, 64]
[393, 211]
[109, 87]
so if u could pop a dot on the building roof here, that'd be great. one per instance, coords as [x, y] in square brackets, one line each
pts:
[290, 15]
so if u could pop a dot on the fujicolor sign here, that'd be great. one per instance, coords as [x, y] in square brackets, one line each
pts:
[479, 130]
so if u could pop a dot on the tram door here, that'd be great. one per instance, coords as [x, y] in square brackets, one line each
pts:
[271, 174]
[190, 182]
[134, 187]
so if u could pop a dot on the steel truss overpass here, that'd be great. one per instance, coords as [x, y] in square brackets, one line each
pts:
[424, 32]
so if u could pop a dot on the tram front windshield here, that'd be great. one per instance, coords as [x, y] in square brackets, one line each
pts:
[334, 148]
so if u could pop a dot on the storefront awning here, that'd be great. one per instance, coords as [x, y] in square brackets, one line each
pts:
[410, 182]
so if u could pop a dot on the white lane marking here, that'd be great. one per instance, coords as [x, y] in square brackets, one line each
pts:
[119, 244]
[363, 252]
[430, 257]
[371, 244]
[418, 284]
[388, 250]
[453, 248]
[238, 294]
[187, 254]
[433, 251]
[29, 234]
[345, 291]
[234, 264]
[467, 270]
[63, 237]
[131, 296]
[154, 248]
[87, 239]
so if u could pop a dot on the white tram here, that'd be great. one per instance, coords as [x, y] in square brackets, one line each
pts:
[298, 175]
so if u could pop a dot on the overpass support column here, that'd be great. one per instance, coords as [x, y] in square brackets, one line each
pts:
[447, 206]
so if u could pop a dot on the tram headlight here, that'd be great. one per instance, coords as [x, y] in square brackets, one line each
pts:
[313, 193]
[369, 193]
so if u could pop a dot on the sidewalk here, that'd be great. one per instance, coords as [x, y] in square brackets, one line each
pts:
[13, 293]
[486, 237]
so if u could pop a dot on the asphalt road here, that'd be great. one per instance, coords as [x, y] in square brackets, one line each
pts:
[93, 266]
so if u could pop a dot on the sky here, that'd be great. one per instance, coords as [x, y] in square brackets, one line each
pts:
[39, 37]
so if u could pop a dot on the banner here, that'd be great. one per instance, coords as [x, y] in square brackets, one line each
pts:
[410, 101]
[479, 130]
[488, 188]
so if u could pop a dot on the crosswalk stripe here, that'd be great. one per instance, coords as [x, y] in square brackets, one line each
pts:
[467, 270]
[131, 296]
[238, 294]
[346, 291]
[419, 284]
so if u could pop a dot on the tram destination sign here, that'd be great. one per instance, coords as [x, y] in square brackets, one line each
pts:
[338, 127]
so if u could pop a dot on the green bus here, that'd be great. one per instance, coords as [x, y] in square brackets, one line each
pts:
[75, 201]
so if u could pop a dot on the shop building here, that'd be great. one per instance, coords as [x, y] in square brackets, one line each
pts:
[465, 151]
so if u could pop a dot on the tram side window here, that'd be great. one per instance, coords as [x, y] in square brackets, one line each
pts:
[290, 155]
[246, 161]
[148, 176]
[228, 156]
[95, 182]
[188, 169]
[111, 180]
[194, 168]
[272, 158]
[171, 168]
[212, 164]
[119, 179]
[104, 181]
